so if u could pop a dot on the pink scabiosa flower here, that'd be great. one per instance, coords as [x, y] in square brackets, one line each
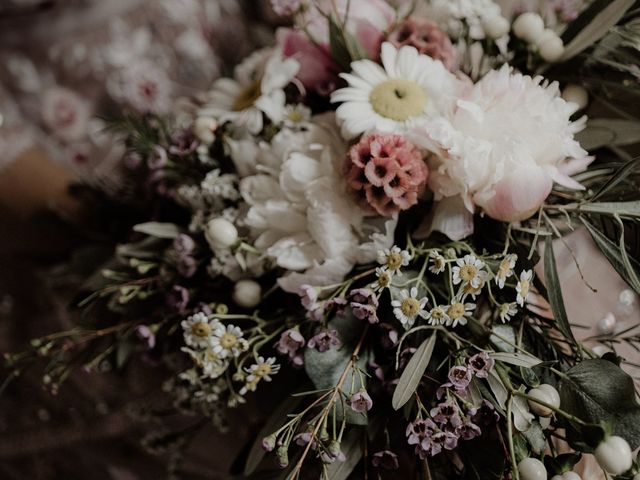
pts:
[387, 173]
[427, 38]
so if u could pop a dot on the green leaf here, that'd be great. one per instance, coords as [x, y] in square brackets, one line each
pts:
[612, 252]
[619, 176]
[413, 372]
[554, 292]
[278, 418]
[158, 229]
[517, 358]
[596, 21]
[603, 132]
[598, 391]
[624, 209]
[352, 448]
[344, 47]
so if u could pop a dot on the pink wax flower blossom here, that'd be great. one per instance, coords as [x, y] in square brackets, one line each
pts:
[427, 38]
[361, 401]
[64, 113]
[481, 364]
[386, 172]
[460, 377]
[325, 340]
[290, 342]
[385, 459]
[285, 8]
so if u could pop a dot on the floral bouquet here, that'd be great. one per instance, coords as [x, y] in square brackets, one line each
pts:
[349, 227]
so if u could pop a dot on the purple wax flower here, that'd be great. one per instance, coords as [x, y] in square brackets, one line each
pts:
[361, 401]
[385, 459]
[468, 430]
[481, 364]
[460, 377]
[325, 340]
[178, 298]
[446, 413]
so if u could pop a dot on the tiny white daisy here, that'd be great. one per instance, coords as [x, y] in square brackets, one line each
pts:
[384, 279]
[523, 287]
[468, 290]
[393, 259]
[408, 87]
[507, 310]
[198, 330]
[469, 269]
[458, 313]
[437, 316]
[438, 262]
[227, 341]
[295, 115]
[213, 366]
[409, 307]
[505, 269]
[261, 370]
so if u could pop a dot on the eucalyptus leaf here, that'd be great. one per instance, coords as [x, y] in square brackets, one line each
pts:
[352, 447]
[603, 132]
[609, 14]
[413, 372]
[554, 292]
[516, 358]
[598, 391]
[158, 229]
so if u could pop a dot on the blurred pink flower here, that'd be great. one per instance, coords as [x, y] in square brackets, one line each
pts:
[427, 38]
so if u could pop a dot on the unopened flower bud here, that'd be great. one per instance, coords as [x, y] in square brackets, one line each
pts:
[551, 48]
[247, 293]
[282, 454]
[576, 94]
[269, 443]
[528, 27]
[495, 26]
[221, 233]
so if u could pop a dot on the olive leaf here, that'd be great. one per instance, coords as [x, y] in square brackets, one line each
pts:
[413, 372]
[608, 132]
[554, 293]
[598, 391]
[158, 229]
[516, 358]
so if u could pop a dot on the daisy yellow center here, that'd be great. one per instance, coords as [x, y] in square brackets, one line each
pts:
[524, 288]
[398, 99]
[247, 97]
[384, 280]
[439, 263]
[201, 329]
[295, 116]
[410, 307]
[468, 272]
[394, 261]
[437, 313]
[503, 269]
[263, 369]
[455, 310]
[471, 290]
[228, 340]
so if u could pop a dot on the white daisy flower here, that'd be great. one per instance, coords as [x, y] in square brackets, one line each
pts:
[505, 269]
[437, 316]
[506, 311]
[458, 313]
[469, 270]
[438, 262]
[198, 330]
[296, 115]
[468, 290]
[211, 364]
[408, 87]
[409, 307]
[384, 279]
[393, 259]
[261, 370]
[227, 341]
[257, 88]
[523, 287]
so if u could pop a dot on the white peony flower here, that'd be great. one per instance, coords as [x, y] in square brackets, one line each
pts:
[257, 88]
[408, 87]
[504, 146]
[300, 213]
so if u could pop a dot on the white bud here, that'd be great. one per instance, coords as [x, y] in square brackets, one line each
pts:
[532, 469]
[204, 128]
[614, 455]
[600, 350]
[495, 26]
[546, 394]
[247, 293]
[576, 94]
[606, 325]
[528, 27]
[221, 233]
[551, 47]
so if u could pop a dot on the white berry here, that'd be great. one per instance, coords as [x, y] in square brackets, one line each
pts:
[203, 129]
[247, 293]
[551, 48]
[614, 455]
[576, 94]
[552, 393]
[528, 27]
[495, 26]
[221, 233]
[546, 394]
[532, 469]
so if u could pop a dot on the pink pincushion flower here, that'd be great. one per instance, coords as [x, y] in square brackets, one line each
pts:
[427, 38]
[386, 172]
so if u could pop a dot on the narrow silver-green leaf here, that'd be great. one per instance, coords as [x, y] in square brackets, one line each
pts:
[634, 281]
[623, 209]
[413, 372]
[158, 229]
[516, 358]
[555, 294]
[598, 28]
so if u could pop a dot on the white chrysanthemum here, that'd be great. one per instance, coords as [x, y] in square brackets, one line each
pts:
[198, 330]
[506, 311]
[408, 87]
[409, 307]
[458, 313]
[261, 370]
[438, 262]
[384, 279]
[504, 146]
[469, 270]
[300, 213]
[257, 88]
[228, 342]
[393, 259]
[437, 316]
[505, 269]
[524, 286]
